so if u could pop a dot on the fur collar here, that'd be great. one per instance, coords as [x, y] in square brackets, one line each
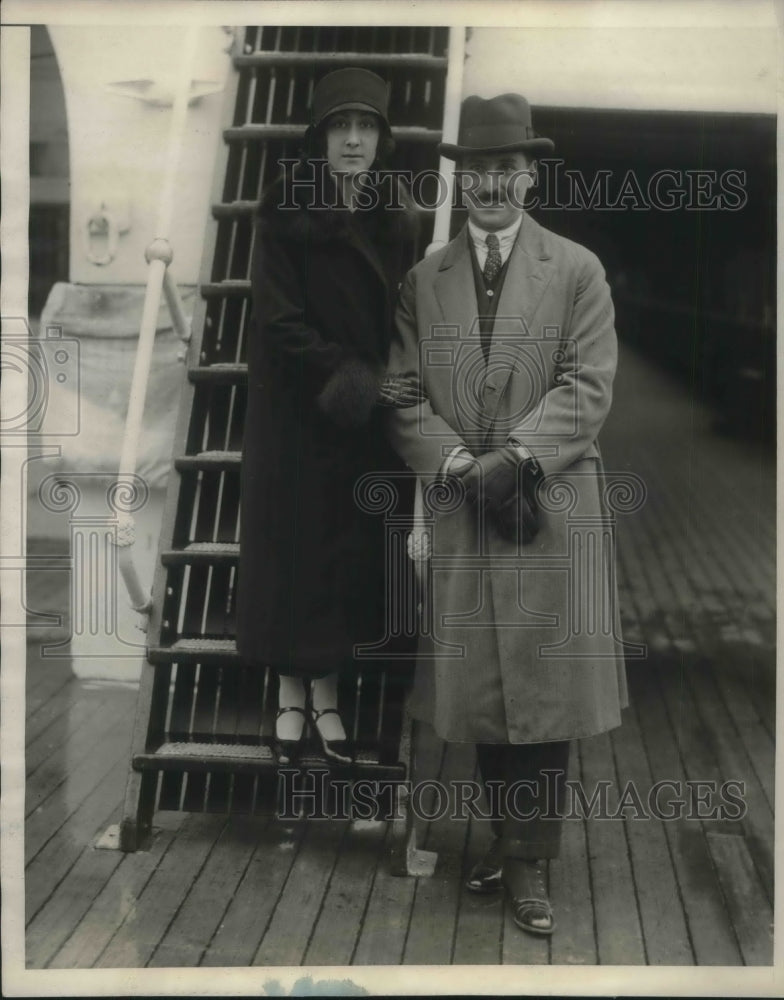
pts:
[316, 215]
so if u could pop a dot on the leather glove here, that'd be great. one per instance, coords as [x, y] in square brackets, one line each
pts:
[506, 489]
[492, 478]
[517, 520]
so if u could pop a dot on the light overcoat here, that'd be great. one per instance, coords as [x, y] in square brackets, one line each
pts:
[520, 643]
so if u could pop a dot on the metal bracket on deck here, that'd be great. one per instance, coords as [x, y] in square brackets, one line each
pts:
[420, 863]
[405, 857]
[109, 840]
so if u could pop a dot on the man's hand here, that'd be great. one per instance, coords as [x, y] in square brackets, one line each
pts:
[518, 519]
[505, 488]
[492, 478]
[401, 391]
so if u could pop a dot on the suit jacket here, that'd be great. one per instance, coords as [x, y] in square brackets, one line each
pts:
[520, 643]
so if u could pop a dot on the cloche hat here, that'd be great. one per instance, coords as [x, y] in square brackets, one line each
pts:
[349, 89]
[496, 125]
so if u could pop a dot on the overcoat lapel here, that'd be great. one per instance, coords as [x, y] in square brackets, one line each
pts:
[529, 272]
[528, 275]
[454, 287]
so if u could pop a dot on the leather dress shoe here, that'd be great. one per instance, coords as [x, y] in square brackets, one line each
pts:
[487, 875]
[531, 909]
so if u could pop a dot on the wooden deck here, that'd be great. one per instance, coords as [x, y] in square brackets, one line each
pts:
[697, 574]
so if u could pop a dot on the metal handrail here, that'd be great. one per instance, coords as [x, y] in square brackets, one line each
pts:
[159, 255]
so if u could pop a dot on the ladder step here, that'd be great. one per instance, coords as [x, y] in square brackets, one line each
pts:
[240, 209]
[219, 289]
[202, 553]
[233, 209]
[233, 373]
[385, 60]
[238, 757]
[263, 133]
[223, 651]
[213, 461]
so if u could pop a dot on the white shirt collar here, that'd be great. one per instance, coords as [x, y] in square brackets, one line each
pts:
[506, 237]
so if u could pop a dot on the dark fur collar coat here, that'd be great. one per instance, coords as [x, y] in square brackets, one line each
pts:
[324, 284]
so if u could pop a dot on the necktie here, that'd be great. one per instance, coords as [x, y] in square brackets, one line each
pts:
[493, 263]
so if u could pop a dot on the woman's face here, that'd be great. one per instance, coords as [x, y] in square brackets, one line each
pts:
[352, 140]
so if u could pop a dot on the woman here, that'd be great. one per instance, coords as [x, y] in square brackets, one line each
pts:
[329, 255]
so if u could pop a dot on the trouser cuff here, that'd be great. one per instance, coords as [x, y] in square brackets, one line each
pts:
[531, 850]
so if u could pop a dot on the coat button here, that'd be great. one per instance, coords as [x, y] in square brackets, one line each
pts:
[558, 378]
[490, 292]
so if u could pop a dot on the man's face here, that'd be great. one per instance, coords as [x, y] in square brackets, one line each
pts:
[494, 188]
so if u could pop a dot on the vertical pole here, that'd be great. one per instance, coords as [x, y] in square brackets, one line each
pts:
[454, 94]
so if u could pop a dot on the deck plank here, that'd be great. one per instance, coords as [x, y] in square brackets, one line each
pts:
[87, 736]
[754, 735]
[382, 936]
[574, 941]
[243, 924]
[760, 687]
[658, 894]
[288, 934]
[710, 929]
[62, 729]
[41, 713]
[618, 932]
[44, 678]
[111, 906]
[751, 913]
[480, 921]
[73, 897]
[60, 802]
[673, 739]
[185, 940]
[735, 764]
[696, 568]
[338, 927]
[431, 930]
[60, 852]
[145, 924]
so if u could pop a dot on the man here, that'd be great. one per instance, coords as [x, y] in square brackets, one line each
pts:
[509, 330]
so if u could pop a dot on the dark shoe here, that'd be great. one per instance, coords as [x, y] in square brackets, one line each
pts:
[531, 909]
[287, 751]
[486, 875]
[338, 751]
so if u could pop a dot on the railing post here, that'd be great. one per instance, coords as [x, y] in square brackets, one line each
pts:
[159, 256]
[453, 97]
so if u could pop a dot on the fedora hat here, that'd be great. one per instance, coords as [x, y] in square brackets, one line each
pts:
[496, 125]
[350, 89]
